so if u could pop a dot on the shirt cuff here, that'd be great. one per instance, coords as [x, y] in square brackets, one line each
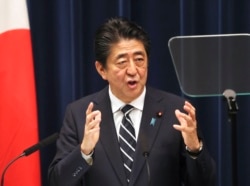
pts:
[88, 158]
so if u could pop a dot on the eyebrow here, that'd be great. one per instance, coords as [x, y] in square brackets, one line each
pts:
[135, 53]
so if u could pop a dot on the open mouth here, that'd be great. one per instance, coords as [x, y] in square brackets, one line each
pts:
[131, 83]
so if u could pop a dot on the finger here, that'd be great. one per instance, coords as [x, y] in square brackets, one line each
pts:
[190, 112]
[190, 109]
[178, 127]
[97, 115]
[94, 119]
[95, 127]
[90, 107]
[89, 116]
[189, 105]
[182, 117]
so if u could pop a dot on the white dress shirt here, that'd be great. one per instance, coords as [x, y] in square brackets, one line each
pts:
[135, 114]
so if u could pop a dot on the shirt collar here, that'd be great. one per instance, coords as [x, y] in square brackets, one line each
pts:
[116, 103]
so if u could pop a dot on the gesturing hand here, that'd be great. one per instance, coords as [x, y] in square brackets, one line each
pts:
[188, 126]
[91, 129]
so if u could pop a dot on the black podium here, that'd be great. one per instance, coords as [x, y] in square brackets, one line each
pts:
[214, 65]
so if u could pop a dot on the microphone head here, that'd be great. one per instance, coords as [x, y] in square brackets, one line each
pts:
[41, 144]
[145, 154]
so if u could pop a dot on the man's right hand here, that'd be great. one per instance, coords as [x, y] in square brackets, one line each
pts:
[91, 130]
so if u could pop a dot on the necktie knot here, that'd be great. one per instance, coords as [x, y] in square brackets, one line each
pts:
[127, 109]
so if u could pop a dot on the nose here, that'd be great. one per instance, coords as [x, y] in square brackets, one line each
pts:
[131, 69]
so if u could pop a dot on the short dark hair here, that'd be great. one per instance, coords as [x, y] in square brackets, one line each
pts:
[112, 32]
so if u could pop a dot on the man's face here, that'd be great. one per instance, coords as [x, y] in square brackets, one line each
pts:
[126, 69]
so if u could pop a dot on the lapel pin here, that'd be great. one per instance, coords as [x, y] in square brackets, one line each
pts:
[152, 122]
[159, 114]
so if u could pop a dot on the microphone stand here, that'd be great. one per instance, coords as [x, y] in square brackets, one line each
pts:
[29, 151]
[230, 95]
[8, 165]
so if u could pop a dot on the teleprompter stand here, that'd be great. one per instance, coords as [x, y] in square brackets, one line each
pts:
[214, 65]
[233, 108]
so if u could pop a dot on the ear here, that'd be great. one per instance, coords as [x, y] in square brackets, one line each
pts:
[101, 70]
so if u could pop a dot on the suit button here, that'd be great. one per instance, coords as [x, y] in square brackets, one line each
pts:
[78, 169]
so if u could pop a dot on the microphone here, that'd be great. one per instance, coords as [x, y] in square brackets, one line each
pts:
[146, 155]
[41, 144]
[29, 151]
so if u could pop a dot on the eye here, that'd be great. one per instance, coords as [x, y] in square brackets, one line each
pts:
[121, 63]
[139, 61]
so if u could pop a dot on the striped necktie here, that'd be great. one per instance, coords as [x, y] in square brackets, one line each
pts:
[127, 140]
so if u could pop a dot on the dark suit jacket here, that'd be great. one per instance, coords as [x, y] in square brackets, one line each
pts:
[168, 161]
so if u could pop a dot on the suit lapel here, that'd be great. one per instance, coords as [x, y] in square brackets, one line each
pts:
[149, 128]
[108, 136]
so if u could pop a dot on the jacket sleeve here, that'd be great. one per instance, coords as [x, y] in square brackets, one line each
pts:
[68, 166]
[200, 170]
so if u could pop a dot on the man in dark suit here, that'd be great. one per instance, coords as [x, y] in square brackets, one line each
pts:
[169, 149]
